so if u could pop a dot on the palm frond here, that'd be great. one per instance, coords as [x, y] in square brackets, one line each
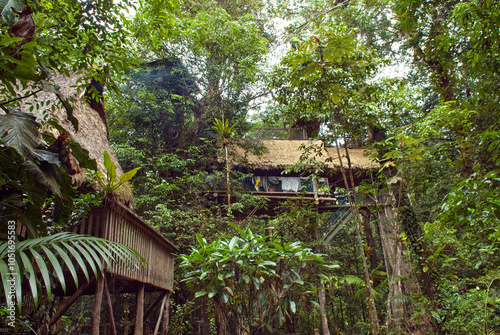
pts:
[42, 259]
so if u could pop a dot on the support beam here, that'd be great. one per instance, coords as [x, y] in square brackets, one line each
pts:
[139, 311]
[153, 306]
[95, 317]
[64, 308]
[109, 307]
[160, 315]
[165, 318]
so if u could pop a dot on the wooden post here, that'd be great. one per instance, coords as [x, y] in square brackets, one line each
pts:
[95, 317]
[67, 305]
[139, 311]
[160, 314]
[165, 317]
[109, 307]
[153, 306]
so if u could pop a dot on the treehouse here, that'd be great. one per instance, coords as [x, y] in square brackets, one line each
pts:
[114, 220]
[298, 169]
[293, 168]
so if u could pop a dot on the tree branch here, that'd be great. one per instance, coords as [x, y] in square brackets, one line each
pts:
[20, 98]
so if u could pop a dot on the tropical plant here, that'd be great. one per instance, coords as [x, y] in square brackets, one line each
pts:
[110, 181]
[225, 133]
[250, 278]
[44, 257]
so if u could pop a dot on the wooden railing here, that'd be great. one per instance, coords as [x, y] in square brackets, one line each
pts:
[117, 223]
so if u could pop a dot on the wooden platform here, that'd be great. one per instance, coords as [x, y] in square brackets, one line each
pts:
[117, 223]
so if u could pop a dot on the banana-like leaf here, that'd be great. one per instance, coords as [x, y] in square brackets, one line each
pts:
[126, 177]
[7, 9]
[19, 131]
[41, 258]
[110, 168]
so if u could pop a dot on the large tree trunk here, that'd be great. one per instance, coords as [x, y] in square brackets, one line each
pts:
[402, 280]
[370, 241]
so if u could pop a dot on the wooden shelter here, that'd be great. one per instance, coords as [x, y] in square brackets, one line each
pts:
[114, 220]
[300, 157]
[306, 155]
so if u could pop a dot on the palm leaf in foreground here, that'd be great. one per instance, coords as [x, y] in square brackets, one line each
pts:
[45, 256]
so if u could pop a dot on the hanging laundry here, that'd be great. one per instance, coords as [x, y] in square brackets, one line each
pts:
[263, 184]
[290, 184]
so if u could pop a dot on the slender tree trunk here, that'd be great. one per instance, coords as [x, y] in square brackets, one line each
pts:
[322, 304]
[398, 266]
[395, 217]
[109, 306]
[204, 325]
[374, 325]
[228, 178]
[166, 315]
[370, 242]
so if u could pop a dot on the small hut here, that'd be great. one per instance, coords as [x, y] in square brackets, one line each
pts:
[301, 169]
[114, 220]
[289, 166]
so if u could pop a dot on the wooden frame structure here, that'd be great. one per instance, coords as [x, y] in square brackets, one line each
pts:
[115, 222]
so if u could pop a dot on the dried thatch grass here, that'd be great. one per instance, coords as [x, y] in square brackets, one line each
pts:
[285, 153]
[92, 131]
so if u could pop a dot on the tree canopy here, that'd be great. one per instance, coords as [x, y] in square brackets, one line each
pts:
[189, 83]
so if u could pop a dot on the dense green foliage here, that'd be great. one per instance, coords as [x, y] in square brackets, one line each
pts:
[421, 255]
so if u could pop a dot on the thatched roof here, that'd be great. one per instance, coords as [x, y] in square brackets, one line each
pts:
[92, 131]
[283, 154]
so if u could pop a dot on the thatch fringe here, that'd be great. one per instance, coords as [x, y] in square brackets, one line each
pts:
[283, 154]
[92, 131]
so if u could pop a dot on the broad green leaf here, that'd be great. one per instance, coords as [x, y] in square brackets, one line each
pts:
[233, 242]
[200, 294]
[110, 168]
[19, 130]
[9, 40]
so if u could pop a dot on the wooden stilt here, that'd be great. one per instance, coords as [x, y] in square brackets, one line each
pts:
[109, 307]
[160, 315]
[64, 308]
[166, 310]
[139, 311]
[153, 306]
[57, 324]
[95, 317]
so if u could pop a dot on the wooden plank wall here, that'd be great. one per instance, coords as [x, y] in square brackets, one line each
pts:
[117, 223]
